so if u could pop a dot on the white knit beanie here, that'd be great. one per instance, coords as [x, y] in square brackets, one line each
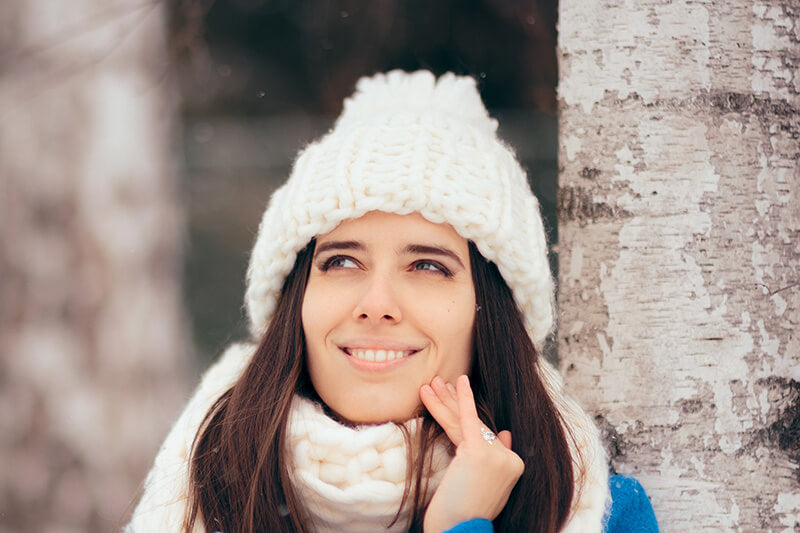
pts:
[407, 142]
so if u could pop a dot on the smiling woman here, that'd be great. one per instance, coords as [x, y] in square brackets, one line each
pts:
[400, 291]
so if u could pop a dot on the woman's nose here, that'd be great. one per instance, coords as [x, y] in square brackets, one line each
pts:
[378, 303]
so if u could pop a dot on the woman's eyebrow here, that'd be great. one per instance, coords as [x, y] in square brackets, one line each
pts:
[338, 245]
[428, 249]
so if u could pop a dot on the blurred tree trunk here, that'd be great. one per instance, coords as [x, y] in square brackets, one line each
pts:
[94, 353]
[680, 250]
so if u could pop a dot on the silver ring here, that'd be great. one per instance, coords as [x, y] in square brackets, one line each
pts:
[488, 435]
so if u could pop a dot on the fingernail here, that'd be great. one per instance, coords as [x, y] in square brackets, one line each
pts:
[438, 381]
[427, 389]
[451, 388]
[465, 379]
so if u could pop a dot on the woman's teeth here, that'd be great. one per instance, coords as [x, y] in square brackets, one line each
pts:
[377, 355]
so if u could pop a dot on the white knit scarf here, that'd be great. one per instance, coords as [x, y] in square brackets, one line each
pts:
[353, 478]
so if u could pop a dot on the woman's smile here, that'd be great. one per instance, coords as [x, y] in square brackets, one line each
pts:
[389, 304]
[378, 354]
[378, 357]
[377, 351]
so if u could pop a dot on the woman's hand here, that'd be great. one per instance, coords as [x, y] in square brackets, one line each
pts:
[480, 477]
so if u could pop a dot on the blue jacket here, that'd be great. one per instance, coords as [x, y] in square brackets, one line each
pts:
[630, 511]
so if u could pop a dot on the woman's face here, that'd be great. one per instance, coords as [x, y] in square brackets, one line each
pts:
[389, 305]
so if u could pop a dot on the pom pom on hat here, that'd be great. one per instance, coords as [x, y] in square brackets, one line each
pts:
[414, 94]
[407, 142]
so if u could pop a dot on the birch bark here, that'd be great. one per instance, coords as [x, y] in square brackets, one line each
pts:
[680, 250]
[93, 357]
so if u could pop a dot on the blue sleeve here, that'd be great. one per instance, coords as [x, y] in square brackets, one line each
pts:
[476, 525]
[631, 511]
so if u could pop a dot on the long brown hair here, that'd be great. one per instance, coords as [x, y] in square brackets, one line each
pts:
[240, 480]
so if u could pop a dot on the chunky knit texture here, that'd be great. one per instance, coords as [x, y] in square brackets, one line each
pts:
[352, 479]
[408, 143]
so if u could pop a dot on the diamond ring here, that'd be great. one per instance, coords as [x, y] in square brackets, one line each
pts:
[488, 435]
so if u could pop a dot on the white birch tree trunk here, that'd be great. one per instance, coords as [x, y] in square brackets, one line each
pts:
[680, 250]
[93, 349]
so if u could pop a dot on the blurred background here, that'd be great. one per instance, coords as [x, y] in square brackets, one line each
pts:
[139, 144]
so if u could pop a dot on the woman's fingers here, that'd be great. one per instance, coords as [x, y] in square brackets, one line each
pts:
[467, 412]
[446, 393]
[471, 424]
[454, 409]
[441, 409]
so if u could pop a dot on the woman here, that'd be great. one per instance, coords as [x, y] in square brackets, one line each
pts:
[400, 287]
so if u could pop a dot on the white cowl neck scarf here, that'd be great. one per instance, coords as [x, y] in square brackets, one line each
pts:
[349, 479]
[353, 478]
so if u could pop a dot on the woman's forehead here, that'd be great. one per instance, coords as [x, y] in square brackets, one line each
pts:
[384, 226]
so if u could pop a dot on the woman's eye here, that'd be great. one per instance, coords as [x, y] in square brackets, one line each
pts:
[339, 262]
[433, 267]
